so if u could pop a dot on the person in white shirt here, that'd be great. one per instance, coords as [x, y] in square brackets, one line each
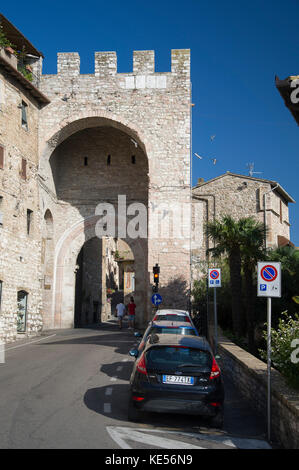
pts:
[120, 311]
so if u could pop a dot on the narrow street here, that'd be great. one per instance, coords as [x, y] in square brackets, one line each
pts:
[69, 389]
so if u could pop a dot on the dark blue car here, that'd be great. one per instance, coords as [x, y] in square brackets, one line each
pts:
[177, 374]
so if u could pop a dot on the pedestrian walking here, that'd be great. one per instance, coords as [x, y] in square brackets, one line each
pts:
[131, 313]
[120, 312]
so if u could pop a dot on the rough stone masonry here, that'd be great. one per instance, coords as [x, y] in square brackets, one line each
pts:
[108, 134]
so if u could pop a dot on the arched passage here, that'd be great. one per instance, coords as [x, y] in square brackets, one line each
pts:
[96, 164]
[68, 250]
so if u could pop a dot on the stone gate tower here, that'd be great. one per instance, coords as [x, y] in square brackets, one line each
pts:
[106, 135]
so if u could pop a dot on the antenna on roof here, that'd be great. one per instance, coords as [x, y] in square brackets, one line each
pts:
[251, 168]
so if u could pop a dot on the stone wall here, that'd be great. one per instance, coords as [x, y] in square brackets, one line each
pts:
[249, 375]
[19, 251]
[149, 115]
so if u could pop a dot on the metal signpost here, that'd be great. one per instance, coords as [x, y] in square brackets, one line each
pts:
[214, 279]
[269, 285]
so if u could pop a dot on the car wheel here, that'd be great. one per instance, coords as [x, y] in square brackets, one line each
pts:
[133, 413]
[217, 421]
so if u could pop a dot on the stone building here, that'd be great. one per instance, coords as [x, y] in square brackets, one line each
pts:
[103, 139]
[240, 196]
[20, 247]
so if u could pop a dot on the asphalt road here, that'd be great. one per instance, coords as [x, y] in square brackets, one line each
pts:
[69, 390]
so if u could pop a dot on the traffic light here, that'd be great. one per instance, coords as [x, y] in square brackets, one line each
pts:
[156, 271]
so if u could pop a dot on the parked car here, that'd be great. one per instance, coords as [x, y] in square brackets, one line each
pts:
[173, 312]
[172, 315]
[177, 374]
[164, 327]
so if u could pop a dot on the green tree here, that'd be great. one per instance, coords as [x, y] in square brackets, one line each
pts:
[252, 250]
[227, 236]
[289, 259]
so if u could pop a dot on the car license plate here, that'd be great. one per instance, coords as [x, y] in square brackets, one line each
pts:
[177, 379]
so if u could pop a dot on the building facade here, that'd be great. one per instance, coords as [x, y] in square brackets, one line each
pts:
[20, 239]
[240, 196]
[98, 140]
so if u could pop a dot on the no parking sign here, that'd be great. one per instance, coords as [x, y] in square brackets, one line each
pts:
[214, 277]
[269, 279]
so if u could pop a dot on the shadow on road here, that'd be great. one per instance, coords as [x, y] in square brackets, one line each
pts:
[96, 398]
[121, 341]
[119, 370]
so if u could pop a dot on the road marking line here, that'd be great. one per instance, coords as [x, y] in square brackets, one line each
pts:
[119, 368]
[124, 360]
[113, 379]
[31, 342]
[108, 391]
[118, 434]
[107, 407]
[231, 441]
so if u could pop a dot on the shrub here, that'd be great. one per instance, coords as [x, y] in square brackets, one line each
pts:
[281, 348]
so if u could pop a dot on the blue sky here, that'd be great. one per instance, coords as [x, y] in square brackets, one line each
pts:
[237, 48]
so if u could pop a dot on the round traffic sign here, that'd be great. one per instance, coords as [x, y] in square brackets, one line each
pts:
[156, 299]
[214, 274]
[269, 273]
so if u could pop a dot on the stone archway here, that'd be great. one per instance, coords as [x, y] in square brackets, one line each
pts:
[74, 177]
[67, 252]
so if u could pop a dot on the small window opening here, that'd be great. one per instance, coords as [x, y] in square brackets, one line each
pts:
[22, 311]
[23, 169]
[0, 293]
[29, 220]
[85, 161]
[24, 116]
[133, 158]
[1, 157]
[1, 211]
[109, 160]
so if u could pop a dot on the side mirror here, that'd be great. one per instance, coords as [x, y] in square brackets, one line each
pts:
[133, 352]
[137, 334]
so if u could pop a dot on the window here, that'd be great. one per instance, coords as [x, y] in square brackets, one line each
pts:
[133, 158]
[85, 161]
[29, 220]
[109, 160]
[24, 169]
[22, 311]
[1, 157]
[280, 211]
[24, 116]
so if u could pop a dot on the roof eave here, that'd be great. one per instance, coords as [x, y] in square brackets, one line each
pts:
[35, 92]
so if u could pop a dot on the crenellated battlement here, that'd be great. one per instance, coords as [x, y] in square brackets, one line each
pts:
[68, 64]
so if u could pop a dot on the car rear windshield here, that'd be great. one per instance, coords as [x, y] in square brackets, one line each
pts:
[164, 357]
[172, 331]
[171, 317]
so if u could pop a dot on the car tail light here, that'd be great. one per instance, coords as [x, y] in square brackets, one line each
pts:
[137, 398]
[215, 371]
[141, 367]
[155, 318]
[187, 319]
[215, 403]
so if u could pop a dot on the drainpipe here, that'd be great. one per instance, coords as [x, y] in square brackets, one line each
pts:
[265, 215]
[207, 238]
